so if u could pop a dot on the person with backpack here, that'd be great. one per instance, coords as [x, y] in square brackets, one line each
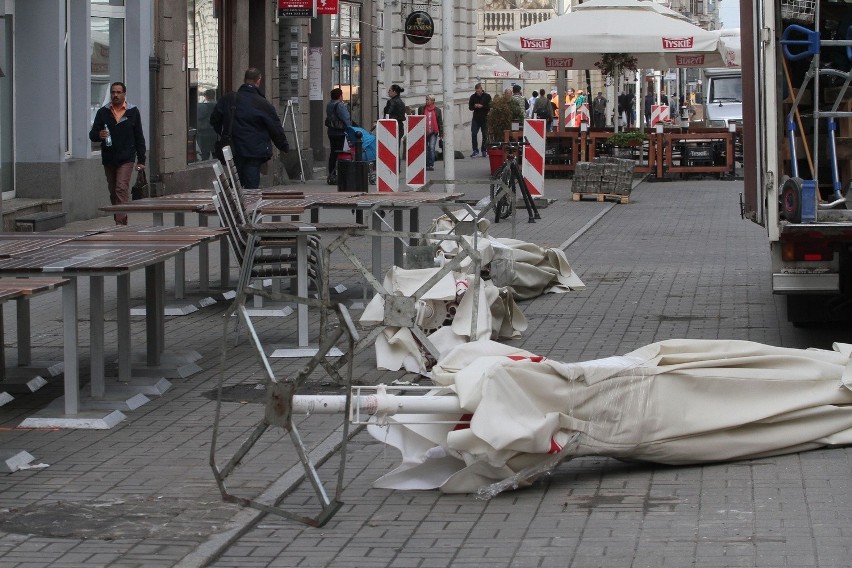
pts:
[523, 103]
[251, 125]
[337, 120]
[542, 108]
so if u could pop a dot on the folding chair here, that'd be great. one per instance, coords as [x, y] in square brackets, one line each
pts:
[273, 258]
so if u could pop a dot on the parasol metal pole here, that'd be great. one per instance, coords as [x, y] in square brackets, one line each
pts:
[387, 41]
[449, 80]
[657, 85]
[561, 80]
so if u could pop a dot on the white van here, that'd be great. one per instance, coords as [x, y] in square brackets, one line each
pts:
[723, 97]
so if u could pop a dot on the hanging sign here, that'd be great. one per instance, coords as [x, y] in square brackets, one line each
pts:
[419, 27]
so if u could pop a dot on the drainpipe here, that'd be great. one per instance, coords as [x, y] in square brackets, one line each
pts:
[449, 80]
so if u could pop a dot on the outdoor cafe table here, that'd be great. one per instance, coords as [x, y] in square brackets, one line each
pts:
[300, 231]
[199, 202]
[22, 290]
[96, 256]
[396, 202]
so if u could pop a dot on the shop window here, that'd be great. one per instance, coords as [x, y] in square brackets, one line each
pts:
[203, 89]
[7, 150]
[346, 56]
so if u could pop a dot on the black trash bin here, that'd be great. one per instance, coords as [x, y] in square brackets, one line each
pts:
[353, 175]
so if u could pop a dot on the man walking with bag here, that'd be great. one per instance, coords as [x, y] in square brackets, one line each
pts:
[253, 125]
[118, 127]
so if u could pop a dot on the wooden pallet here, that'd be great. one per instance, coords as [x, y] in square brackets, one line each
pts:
[601, 197]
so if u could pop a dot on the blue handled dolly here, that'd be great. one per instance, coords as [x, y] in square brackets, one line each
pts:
[799, 199]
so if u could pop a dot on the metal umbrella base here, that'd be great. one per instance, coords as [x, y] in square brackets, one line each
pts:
[278, 411]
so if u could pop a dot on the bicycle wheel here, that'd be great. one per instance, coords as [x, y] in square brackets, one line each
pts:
[503, 207]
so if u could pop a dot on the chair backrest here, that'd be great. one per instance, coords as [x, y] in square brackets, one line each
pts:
[231, 167]
[221, 202]
[233, 197]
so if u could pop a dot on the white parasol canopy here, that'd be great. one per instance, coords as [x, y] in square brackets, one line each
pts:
[729, 47]
[657, 37]
[676, 402]
[490, 65]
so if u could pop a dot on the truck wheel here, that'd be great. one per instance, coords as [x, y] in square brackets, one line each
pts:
[791, 200]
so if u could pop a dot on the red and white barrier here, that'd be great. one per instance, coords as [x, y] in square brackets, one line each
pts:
[660, 113]
[535, 130]
[570, 115]
[415, 152]
[387, 154]
[583, 114]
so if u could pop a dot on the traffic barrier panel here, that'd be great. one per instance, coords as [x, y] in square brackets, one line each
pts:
[533, 167]
[387, 154]
[660, 113]
[570, 115]
[415, 153]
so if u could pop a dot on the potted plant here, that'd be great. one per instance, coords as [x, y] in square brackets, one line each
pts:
[623, 142]
[504, 110]
[626, 138]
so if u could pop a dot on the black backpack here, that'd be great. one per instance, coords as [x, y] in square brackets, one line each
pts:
[334, 121]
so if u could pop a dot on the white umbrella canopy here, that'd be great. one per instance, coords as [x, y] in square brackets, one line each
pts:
[657, 37]
[490, 65]
[729, 47]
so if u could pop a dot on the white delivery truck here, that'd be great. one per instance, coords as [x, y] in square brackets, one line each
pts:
[796, 58]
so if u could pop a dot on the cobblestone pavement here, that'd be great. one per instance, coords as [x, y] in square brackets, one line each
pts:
[676, 262]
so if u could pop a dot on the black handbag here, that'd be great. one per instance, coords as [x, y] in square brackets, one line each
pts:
[140, 188]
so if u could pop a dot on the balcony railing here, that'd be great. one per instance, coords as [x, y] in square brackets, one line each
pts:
[492, 23]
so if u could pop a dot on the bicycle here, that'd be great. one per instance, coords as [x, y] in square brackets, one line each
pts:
[507, 181]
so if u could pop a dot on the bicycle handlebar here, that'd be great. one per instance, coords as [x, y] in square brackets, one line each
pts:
[512, 144]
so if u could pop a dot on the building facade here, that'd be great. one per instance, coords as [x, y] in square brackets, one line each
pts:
[58, 57]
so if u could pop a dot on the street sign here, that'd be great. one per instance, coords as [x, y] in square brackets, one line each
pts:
[304, 8]
[295, 8]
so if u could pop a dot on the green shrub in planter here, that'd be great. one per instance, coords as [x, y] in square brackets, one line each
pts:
[626, 138]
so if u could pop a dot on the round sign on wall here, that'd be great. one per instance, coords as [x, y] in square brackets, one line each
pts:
[419, 27]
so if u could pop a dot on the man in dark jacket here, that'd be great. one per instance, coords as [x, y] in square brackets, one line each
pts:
[480, 104]
[118, 127]
[253, 125]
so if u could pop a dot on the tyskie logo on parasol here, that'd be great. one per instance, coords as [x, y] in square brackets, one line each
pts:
[689, 60]
[678, 43]
[558, 62]
[541, 43]
[419, 27]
